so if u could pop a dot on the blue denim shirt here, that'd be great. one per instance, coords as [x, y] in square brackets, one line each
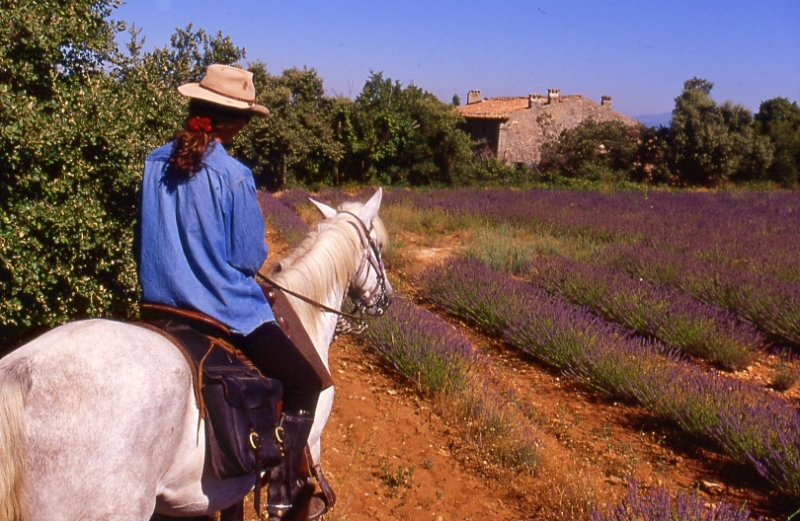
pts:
[202, 240]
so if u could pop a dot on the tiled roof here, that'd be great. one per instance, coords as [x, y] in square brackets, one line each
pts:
[493, 108]
[501, 108]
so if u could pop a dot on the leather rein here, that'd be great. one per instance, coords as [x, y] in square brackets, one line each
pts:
[374, 259]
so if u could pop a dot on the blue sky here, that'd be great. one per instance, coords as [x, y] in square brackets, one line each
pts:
[638, 52]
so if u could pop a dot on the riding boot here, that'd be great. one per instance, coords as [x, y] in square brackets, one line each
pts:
[286, 483]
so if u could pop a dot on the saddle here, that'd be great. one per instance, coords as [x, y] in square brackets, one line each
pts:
[242, 408]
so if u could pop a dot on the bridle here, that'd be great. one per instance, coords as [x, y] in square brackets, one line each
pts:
[373, 258]
[354, 322]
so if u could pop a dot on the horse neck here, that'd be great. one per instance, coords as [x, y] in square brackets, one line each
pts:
[320, 269]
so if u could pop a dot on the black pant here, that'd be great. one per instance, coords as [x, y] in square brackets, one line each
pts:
[276, 356]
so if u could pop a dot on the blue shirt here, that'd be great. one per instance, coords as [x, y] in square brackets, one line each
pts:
[202, 240]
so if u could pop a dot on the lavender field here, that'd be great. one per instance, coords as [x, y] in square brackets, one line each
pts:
[662, 300]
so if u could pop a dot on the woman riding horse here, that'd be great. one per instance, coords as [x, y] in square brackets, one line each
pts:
[201, 242]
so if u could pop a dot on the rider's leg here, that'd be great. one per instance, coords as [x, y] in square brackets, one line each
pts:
[274, 354]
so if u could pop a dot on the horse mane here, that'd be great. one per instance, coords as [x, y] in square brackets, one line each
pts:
[324, 260]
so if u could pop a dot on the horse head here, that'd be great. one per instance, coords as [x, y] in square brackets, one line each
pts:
[369, 288]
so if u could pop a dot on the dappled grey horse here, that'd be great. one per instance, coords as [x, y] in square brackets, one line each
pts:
[98, 418]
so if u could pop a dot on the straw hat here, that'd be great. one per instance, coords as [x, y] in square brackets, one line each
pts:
[227, 86]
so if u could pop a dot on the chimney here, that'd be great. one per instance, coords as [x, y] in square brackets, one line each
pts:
[473, 96]
[534, 99]
[552, 95]
[605, 101]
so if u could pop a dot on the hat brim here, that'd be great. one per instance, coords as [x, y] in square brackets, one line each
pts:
[195, 91]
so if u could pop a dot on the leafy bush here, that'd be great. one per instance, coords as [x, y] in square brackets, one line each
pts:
[77, 117]
[596, 151]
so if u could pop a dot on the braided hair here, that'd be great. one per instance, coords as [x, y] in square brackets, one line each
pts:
[198, 133]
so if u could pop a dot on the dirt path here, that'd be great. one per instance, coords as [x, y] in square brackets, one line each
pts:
[387, 455]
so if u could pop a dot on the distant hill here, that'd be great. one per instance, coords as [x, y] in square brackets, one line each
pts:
[655, 120]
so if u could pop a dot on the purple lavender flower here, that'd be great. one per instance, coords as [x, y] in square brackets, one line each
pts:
[650, 309]
[748, 423]
[422, 347]
[658, 505]
[286, 222]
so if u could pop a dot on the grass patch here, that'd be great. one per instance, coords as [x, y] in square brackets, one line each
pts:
[495, 426]
[429, 223]
[509, 249]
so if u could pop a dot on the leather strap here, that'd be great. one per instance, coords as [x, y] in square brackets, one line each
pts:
[257, 497]
[316, 472]
[164, 311]
[290, 324]
[327, 490]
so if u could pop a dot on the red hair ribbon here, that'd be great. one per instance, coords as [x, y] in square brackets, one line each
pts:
[198, 123]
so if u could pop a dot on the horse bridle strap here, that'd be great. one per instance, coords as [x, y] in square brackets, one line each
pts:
[375, 260]
[306, 299]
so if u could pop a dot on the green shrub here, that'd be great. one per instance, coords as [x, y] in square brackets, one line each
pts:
[77, 118]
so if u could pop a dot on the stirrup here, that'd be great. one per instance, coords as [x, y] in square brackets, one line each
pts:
[316, 507]
[275, 512]
[309, 506]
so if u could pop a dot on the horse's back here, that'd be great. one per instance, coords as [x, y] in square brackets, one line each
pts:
[106, 407]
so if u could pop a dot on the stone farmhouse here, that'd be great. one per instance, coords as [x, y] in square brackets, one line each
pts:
[513, 129]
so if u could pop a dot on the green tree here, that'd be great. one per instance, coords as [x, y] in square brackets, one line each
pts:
[296, 142]
[652, 154]
[709, 144]
[401, 136]
[594, 151]
[779, 121]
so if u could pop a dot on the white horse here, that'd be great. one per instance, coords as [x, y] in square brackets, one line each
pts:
[98, 418]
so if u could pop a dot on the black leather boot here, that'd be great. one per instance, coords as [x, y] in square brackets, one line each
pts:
[286, 484]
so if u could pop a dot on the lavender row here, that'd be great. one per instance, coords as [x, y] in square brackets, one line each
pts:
[650, 309]
[770, 304]
[439, 359]
[657, 505]
[756, 230]
[423, 348]
[752, 426]
[295, 197]
[285, 221]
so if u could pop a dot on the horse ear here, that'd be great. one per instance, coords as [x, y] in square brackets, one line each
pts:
[326, 210]
[370, 210]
